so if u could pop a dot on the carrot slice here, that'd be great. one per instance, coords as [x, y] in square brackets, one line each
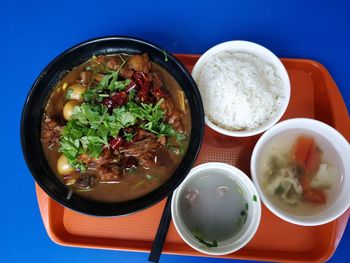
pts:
[315, 196]
[305, 182]
[302, 149]
[313, 160]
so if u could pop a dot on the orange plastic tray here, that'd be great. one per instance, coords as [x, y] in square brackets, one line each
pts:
[314, 95]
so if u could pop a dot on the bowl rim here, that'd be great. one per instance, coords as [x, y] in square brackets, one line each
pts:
[236, 174]
[305, 124]
[253, 48]
[198, 136]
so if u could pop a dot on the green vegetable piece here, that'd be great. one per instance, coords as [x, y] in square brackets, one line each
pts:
[180, 137]
[131, 95]
[279, 190]
[199, 236]
[128, 136]
[165, 56]
[139, 184]
[254, 198]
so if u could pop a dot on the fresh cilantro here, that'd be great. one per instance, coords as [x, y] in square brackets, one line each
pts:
[131, 170]
[107, 82]
[120, 85]
[90, 95]
[153, 177]
[165, 56]
[91, 124]
[124, 117]
[70, 147]
[131, 95]
[180, 137]
[128, 136]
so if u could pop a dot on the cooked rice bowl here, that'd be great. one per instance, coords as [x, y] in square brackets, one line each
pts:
[243, 92]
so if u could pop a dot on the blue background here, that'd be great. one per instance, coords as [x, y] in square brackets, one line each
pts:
[33, 33]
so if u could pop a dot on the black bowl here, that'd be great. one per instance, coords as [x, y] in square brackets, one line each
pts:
[38, 96]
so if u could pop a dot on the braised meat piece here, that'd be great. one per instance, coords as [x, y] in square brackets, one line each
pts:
[162, 140]
[148, 159]
[109, 173]
[140, 63]
[51, 132]
[100, 59]
[157, 85]
[71, 179]
[86, 181]
[140, 147]
[142, 134]
[85, 78]
[97, 77]
[106, 157]
[144, 150]
[173, 117]
[128, 162]
[115, 64]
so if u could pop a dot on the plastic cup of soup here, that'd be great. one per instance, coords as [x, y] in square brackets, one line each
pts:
[216, 210]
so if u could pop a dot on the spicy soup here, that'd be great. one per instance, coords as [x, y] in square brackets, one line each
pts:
[116, 127]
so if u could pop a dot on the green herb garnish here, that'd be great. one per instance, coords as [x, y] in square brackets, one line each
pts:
[199, 236]
[138, 185]
[254, 198]
[131, 95]
[128, 136]
[153, 177]
[91, 126]
[165, 56]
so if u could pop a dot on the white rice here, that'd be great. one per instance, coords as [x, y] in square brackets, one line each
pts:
[239, 90]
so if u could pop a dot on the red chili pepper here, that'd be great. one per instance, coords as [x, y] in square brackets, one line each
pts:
[158, 93]
[120, 98]
[109, 103]
[132, 86]
[117, 142]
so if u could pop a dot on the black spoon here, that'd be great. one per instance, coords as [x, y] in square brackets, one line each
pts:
[162, 231]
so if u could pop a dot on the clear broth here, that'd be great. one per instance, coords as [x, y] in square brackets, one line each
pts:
[216, 212]
[281, 145]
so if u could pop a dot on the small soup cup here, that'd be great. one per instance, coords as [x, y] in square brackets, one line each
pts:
[333, 144]
[246, 231]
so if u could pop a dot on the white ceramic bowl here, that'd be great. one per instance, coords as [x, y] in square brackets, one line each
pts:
[262, 53]
[338, 149]
[254, 212]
